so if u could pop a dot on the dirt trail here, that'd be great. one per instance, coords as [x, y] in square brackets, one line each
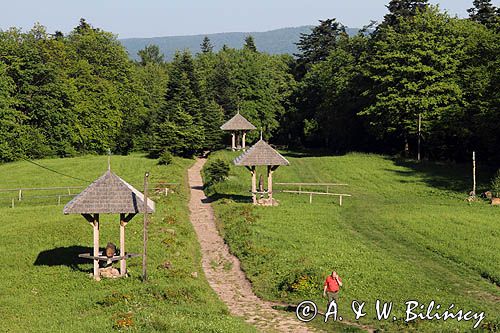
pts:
[223, 271]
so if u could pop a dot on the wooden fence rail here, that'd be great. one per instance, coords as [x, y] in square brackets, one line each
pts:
[327, 185]
[21, 192]
[313, 184]
[340, 195]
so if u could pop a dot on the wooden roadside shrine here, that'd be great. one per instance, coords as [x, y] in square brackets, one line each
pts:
[238, 126]
[261, 154]
[109, 195]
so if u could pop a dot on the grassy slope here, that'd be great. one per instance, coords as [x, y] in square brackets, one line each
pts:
[406, 234]
[41, 289]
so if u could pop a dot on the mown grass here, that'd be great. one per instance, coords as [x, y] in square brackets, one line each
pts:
[406, 234]
[45, 288]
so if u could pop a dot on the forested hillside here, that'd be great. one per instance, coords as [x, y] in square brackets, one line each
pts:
[64, 95]
[279, 41]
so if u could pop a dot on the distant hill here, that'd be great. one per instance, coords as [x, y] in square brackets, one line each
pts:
[279, 41]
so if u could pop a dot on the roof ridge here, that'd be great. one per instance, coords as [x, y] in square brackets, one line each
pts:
[261, 153]
[108, 194]
[237, 122]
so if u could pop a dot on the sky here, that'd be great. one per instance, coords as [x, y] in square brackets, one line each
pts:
[155, 18]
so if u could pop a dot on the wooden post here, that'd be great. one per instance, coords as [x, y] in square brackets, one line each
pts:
[270, 183]
[243, 140]
[145, 229]
[20, 195]
[233, 141]
[254, 185]
[95, 225]
[12, 203]
[419, 130]
[58, 200]
[123, 261]
[340, 201]
[310, 198]
[474, 173]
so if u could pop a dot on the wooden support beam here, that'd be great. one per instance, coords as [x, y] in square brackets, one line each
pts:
[123, 261]
[233, 141]
[473, 173]
[270, 182]
[145, 229]
[129, 217]
[254, 185]
[96, 246]
[243, 141]
[89, 218]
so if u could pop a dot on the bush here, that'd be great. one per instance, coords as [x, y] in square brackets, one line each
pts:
[495, 184]
[166, 158]
[216, 171]
[302, 281]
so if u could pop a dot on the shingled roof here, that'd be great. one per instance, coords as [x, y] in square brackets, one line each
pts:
[237, 123]
[108, 194]
[260, 154]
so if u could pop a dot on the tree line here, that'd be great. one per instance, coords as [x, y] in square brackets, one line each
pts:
[65, 95]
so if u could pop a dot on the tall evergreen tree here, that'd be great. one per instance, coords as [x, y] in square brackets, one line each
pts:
[213, 118]
[177, 124]
[206, 46]
[250, 44]
[485, 13]
[402, 8]
[223, 83]
[317, 45]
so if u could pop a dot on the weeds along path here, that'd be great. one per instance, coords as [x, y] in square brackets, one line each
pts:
[223, 271]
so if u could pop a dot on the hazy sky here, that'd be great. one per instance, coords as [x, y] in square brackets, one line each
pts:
[148, 18]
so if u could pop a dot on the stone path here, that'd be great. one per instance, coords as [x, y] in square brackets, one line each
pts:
[223, 271]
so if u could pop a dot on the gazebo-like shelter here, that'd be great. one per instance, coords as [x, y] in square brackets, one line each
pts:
[108, 195]
[261, 154]
[238, 126]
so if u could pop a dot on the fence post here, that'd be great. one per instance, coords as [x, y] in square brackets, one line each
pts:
[310, 198]
[340, 200]
[20, 194]
[12, 203]
[59, 200]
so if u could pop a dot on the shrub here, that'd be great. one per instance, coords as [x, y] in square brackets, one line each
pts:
[302, 281]
[216, 171]
[495, 184]
[166, 158]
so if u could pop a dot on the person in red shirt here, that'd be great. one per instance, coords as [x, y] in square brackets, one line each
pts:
[332, 286]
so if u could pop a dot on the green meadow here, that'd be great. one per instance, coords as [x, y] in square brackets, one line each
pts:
[405, 234]
[45, 287]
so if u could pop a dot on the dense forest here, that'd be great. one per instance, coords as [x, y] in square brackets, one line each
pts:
[65, 95]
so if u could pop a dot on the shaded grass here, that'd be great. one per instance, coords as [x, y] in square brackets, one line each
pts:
[406, 234]
[46, 288]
